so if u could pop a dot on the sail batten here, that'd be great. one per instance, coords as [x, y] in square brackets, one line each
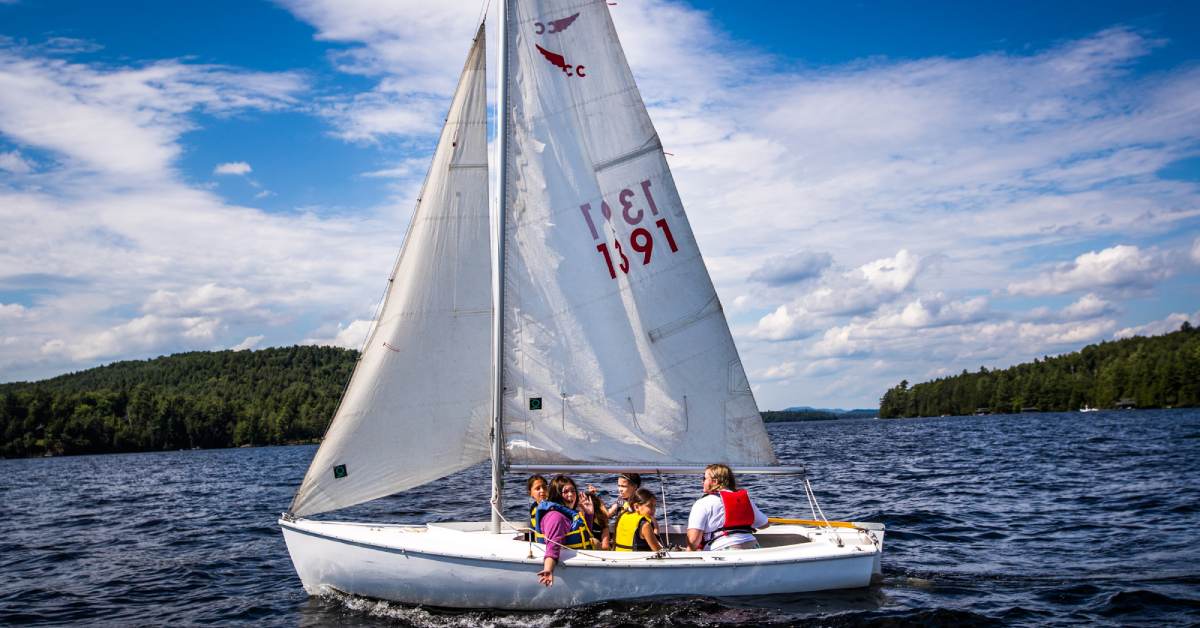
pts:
[417, 407]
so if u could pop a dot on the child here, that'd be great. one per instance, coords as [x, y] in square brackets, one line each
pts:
[536, 485]
[636, 530]
[597, 517]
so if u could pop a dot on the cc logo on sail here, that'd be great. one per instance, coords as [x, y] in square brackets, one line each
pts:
[560, 61]
[555, 26]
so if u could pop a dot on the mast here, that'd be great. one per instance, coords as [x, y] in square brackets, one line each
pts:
[498, 277]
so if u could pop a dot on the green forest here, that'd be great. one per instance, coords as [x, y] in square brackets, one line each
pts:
[199, 399]
[1138, 372]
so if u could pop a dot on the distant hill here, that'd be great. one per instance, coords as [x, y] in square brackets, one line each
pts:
[807, 413]
[199, 399]
[1139, 372]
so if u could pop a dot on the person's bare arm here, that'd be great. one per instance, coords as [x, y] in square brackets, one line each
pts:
[546, 575]
[695, 539]
[651, 537]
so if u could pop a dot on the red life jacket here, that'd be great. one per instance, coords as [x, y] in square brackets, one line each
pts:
[739, 515]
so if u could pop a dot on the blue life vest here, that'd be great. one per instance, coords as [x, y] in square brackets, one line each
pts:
[579, 537]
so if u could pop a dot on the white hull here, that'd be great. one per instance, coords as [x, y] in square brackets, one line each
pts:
[461, 565]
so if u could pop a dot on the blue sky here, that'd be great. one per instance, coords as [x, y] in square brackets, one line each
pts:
[882, 191]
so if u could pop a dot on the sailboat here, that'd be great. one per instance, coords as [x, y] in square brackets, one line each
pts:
[573, 329]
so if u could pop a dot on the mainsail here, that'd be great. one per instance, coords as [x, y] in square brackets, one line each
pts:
[616, 349]
[418, 405]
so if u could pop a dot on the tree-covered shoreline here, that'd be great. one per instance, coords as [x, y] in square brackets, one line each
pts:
[200, 399]
[1142, 372]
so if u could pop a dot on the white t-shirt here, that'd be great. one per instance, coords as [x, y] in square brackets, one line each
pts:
[708, 515]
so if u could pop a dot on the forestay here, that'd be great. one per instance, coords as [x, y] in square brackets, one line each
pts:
[616, 348]
[418, 405]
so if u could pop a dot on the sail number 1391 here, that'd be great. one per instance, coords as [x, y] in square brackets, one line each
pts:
[641, 239]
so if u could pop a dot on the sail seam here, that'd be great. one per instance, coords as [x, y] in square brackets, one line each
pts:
[525, 122]
[676, 326]
[650, 146]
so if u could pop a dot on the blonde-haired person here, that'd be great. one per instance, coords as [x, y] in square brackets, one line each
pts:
[724, 518]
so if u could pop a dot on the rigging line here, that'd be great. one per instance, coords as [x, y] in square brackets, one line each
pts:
[666, 511]
[483, 14]
[812, 496]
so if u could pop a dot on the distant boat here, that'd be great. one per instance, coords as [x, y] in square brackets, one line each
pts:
[1087, 408]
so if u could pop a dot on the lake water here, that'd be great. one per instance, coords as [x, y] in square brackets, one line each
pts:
[1036, 520]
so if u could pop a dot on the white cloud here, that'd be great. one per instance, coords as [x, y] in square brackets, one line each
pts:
[1036, 338]
[125, 121]
[349, 336]
[786, 323]
[209, 298]
[866, 287]
[233, 168]
[795, 268]
[13, 162]
[12, 311]
[1195, 254]
[249, 343]
[1156, 328]
[935, 311]
[1121, 266]
[776, 372]
[1088, 306]
[140, 334]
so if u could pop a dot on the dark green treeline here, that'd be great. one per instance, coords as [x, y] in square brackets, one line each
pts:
[199, 399]
[1156, 372]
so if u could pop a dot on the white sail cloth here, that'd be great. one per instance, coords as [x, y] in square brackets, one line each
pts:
[616, 348]
[418, 406]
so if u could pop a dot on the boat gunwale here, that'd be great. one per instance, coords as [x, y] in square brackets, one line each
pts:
[649, 561]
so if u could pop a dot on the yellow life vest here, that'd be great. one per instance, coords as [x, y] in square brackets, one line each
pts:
[629, 527]
[535, 523]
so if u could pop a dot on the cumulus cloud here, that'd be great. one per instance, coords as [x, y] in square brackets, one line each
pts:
[856, 291]
[349, 336]
[776, 372]
[12, 311]
[935, 311]
[795, 268]
[233, 168]
[209, 298]
[249, 343]
[866, 287]
[1088, 306]
[13, 162]
[1121, 266]
[786, 323]
[143, 333]
[1169, 324]
[124, 121]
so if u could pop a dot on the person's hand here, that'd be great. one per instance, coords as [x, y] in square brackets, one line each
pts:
[546, 577]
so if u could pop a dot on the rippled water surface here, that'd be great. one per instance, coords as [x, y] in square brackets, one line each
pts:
[1036, 520]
